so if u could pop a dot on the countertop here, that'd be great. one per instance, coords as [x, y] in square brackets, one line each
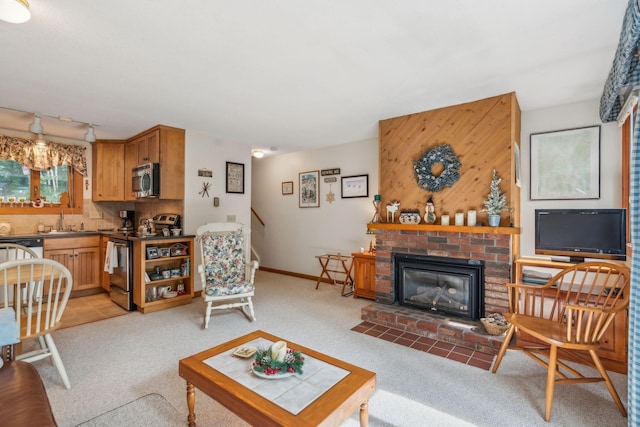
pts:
[89, 233]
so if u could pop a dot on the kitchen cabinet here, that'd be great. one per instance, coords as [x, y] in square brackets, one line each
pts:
[613, 345]
[164, 145]
[364, 275]
[81, 255]
[148, 147]
[108, 171]
[162, 255]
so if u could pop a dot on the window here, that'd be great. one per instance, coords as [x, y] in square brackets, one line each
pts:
[20, 185]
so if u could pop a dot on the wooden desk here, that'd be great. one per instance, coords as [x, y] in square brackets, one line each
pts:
[330, 408]
[340, 265]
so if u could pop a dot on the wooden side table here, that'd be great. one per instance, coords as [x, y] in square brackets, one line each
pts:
[364, 275]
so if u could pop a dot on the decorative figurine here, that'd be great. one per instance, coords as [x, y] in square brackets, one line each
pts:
[392, 209]
[376, 205]
[430, 212]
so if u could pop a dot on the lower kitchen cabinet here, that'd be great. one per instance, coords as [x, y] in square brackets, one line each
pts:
[173, 257]
[364, 275]
[81, 255]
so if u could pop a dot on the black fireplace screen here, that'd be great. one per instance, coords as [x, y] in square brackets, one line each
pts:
[444, 285]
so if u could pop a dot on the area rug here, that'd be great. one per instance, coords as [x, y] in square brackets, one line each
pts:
[152, 410]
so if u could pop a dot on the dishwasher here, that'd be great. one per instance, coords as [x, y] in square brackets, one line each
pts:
[34, 243]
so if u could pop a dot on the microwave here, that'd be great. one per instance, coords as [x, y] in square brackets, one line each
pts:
[145, 180]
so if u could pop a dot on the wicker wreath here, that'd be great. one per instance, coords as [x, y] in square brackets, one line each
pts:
[450, 175]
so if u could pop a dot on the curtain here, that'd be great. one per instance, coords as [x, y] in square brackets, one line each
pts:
[625, 74]
[43, 157]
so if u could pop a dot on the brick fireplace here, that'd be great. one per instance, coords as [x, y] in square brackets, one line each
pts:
[494, 247]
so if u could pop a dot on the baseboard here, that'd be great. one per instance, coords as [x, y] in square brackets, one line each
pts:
[294, 274]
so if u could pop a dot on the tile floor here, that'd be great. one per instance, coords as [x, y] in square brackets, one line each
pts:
[439, 348]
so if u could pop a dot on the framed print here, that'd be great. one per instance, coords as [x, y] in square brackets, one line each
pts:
[235, 178]
[152, 252]
[565, 164]
[355, 186]
[287, 187]
[309, 187]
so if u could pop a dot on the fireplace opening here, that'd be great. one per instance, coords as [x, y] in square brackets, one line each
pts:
[442, 285]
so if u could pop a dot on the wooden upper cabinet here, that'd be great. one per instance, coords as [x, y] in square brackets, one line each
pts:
[108, 171]
[149, 147]
[164, 145]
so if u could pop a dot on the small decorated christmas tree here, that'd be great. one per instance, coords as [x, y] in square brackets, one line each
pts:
[496, 202]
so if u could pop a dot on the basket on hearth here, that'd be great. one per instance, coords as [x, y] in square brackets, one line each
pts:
[495, 324]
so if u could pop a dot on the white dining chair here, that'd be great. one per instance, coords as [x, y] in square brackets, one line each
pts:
[47, 285]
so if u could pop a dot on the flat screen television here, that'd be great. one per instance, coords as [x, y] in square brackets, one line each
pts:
[581, 233]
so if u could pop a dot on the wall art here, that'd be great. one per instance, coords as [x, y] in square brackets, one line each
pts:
[355, 186]
[565, 164]
[235, 178]
[309, 186]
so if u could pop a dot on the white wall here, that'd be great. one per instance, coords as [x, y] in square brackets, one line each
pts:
[293, 236]
[205, 152]
[566, 117]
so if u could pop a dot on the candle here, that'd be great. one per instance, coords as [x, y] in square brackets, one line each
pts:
[376, 197]
[444, 220]
[471, 218]
[459, 219]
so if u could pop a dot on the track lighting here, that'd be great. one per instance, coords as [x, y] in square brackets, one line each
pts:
[37, 128]
[14, 11]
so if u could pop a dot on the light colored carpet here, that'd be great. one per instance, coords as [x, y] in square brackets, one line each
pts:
[116, 361]
[151, 410]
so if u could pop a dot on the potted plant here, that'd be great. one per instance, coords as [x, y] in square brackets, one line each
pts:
[496, 202]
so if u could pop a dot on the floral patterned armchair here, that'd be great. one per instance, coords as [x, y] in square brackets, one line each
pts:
[227, 272]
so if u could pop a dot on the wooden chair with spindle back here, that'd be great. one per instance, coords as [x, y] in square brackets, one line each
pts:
[568, 315]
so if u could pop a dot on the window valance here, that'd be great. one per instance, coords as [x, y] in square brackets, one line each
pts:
[625, 71]
[43, 157]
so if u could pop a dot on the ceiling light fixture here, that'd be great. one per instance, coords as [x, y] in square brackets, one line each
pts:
[258, 154]
[37, 128]
[90, 136]
[36, 125]
[14, 11]
[40, 141]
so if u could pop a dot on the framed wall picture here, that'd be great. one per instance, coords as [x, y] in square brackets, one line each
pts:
[565, 164]
[355, 186]
[287, 187]
[309, 187]
[235, 178]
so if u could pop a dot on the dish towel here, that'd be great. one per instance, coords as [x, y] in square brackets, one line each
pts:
[111, 258]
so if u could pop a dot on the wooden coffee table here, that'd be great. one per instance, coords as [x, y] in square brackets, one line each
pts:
[326, 394]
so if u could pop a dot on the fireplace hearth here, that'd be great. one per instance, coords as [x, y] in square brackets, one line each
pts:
[448, 286]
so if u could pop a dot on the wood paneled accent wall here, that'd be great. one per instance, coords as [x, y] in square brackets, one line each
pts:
[483, 135]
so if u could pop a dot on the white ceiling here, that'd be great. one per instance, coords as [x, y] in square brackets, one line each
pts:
[294, 74]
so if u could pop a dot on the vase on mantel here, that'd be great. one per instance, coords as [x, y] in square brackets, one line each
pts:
[494, 220]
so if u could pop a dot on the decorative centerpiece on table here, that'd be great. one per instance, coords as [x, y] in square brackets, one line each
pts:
[496, 202]
[277, 361]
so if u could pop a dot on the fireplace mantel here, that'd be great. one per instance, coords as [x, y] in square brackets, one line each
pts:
[448, 228]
